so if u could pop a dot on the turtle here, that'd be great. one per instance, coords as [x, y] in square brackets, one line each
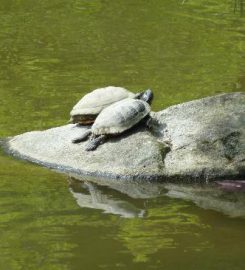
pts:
[116, 119]
[88, 108]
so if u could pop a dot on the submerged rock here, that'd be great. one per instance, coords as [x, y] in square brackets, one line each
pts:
[206, 139]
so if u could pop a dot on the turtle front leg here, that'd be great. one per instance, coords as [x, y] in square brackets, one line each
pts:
[95, 142]
[148, 121]
[83, 137]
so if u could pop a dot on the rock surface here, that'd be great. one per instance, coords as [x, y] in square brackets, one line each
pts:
[206, 138]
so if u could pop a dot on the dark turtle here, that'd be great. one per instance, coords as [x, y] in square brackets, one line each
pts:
[116, 119]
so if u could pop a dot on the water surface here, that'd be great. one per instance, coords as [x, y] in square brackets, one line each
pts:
[53, 52]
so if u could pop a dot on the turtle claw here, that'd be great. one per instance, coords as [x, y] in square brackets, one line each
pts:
[94, 143]
[83, 137]
[91, 146]
[77, 140]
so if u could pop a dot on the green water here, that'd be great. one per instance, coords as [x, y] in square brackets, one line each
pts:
[53, 52]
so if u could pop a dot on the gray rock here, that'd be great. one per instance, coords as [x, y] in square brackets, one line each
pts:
[136, 155]
[206, 138]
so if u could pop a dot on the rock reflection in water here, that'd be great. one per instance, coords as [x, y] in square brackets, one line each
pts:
[90, 195]
[129, 199]
[231, 203]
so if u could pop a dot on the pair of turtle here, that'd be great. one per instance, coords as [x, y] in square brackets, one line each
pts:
[111, 110]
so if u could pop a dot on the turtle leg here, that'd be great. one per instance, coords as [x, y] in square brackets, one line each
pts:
[95, 142]
[83, 137]
[148, 121]
[153, 123]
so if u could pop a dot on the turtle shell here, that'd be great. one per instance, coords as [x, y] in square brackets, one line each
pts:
[120, 116]
[94, 102]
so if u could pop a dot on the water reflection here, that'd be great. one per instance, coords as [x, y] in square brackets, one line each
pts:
[130, 199]
[168, 215]
[164, 224]
[90, 195]
[211, 197]
[239, 6]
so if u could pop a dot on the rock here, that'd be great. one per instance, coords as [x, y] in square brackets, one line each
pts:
[206, 138]
[137, 155]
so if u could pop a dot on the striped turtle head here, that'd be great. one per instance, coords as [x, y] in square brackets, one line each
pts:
[147, 96]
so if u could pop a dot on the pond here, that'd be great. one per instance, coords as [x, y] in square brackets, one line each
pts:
[52, 53]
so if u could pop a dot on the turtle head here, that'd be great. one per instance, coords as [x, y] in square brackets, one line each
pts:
[147, 96]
